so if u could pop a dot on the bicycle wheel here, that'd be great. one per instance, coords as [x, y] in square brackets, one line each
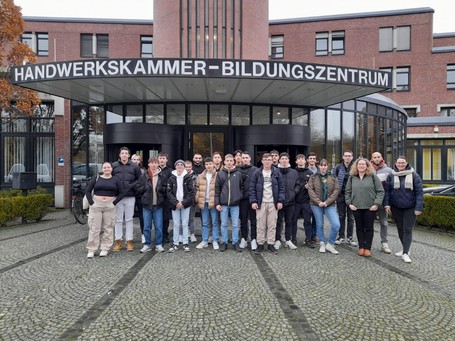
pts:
[79, 213]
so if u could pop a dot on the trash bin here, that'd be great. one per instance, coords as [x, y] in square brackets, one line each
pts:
[24, 180]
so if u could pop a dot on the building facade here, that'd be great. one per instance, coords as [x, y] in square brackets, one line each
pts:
[183, 115]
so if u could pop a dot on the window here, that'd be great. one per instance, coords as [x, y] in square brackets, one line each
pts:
[448, 111]
[400, 77]
[146, 46]
[395, 38]
[38, 42]
[451, 76]
[95, 45]
[412, 111]
[329, 43]
[277, 47]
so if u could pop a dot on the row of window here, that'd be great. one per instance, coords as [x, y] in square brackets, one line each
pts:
[333, 42]
[93, 45]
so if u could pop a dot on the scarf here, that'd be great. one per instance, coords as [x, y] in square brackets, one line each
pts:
[324, 186]
[376, 167]
[408, 180]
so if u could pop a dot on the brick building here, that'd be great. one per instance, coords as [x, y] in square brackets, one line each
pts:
[184, 113]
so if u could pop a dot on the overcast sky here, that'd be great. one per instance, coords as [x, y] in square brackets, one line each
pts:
[279, 9]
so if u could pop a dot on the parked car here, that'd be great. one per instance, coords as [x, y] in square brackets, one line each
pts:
[42, 173]
[445, 190]
[80, 170]
[16, 168]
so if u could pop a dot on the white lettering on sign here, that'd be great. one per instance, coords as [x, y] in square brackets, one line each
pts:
[211, 68]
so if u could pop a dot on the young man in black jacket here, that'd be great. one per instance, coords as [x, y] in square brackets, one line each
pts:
[246, 212]
[302, 201]
[128, 173]
[228, 193]
[287, 213]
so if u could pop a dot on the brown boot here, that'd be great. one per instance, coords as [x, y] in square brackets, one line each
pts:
[129, 245]
[361, 252]
[367, 253]
[117, 245]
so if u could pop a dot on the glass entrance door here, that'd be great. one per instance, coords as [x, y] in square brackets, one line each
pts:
[206, 140]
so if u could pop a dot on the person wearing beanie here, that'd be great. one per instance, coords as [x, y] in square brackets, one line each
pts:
[180, 194]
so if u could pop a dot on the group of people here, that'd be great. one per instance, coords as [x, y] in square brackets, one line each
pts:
[259, 201]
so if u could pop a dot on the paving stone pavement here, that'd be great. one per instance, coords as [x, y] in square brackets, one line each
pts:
[51, 291]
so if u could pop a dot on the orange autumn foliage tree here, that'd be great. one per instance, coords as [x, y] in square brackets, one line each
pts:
[14, 100]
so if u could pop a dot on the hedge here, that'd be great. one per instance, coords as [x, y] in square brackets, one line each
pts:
[438, 211]
[31, 207]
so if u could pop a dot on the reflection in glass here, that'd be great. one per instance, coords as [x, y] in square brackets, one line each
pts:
[44, 156]
[13, 156]
[114, 114]
[261, 115]
[197, 114]
[333, 137]
[96, 128]
[317, 125]
[175, 114]
[207, 143]
[154, 113]
[280, 115]
[240, 115]
[300, 116]
[134, 114]
[348, 131]
[219, 114]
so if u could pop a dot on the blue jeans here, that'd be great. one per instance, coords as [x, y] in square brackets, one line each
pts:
[213, 213]
[180, 217]
[234, 211]
[332, 214]
[155, 215]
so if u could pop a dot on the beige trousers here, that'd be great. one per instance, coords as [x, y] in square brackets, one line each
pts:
[101, 216]
[266, 217]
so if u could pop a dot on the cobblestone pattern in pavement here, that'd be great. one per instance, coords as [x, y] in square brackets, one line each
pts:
[51, 291]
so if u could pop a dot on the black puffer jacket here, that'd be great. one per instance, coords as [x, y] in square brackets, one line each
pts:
[144, 190]
[128, 174]
[404, 197]
[290, 177]
[302, 196]
[228, 187]
[247, 171]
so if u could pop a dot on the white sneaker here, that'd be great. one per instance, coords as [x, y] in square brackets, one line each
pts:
[215, 245]
[243, 243]
[202, 244]
[277, 245]
[351, 242]
[186, 248]
[406, 258]
[210, 240]
[399, 253]
[143, 239]
[290, 245]
[103, 253]
[322, 247]
[331, 249]
[180, 239]
[339, 241]
[254, 244]
[159, 248]
[173, 248]
[386, 248]
[91, 254]
[193, 238]
[145, 248]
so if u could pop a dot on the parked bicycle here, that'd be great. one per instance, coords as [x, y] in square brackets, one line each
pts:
[77, 208]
